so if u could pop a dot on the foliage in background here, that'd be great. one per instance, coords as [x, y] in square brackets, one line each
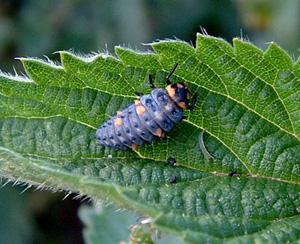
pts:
[104, 224]
[28, 28]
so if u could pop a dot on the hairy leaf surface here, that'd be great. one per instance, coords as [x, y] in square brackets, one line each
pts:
[248, 104]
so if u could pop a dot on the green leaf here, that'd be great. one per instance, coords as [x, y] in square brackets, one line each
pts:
[103, 224]
[138, 235]
[248, 104]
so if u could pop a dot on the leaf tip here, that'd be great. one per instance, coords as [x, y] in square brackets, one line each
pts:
[22, 59]
[297, 65]
[280, 58]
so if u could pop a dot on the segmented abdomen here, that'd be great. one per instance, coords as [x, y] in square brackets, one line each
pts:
[148, 117]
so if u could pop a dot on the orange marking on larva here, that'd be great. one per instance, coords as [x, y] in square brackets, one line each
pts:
[140, 109]
[133, 146]
[117, 121]
[119, 112]
[158, 132]
[137, 102]
[188, 95]
[163, 134]
[182, 105]
[179, 85]
[170, 91]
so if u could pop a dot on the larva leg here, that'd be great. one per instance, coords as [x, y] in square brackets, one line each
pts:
[206, 154]
[192, 106]
[151, 82]
[183, 117]
[139, 94]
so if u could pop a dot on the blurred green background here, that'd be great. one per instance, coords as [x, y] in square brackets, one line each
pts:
[34, 28]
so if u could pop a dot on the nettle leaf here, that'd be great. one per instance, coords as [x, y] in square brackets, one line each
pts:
[248, 104]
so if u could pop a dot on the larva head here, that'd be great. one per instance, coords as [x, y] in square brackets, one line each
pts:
[180, 93]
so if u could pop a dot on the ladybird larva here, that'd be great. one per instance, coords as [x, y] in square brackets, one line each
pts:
[151, 116]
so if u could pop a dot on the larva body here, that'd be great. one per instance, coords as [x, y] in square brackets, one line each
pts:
[152, 115]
